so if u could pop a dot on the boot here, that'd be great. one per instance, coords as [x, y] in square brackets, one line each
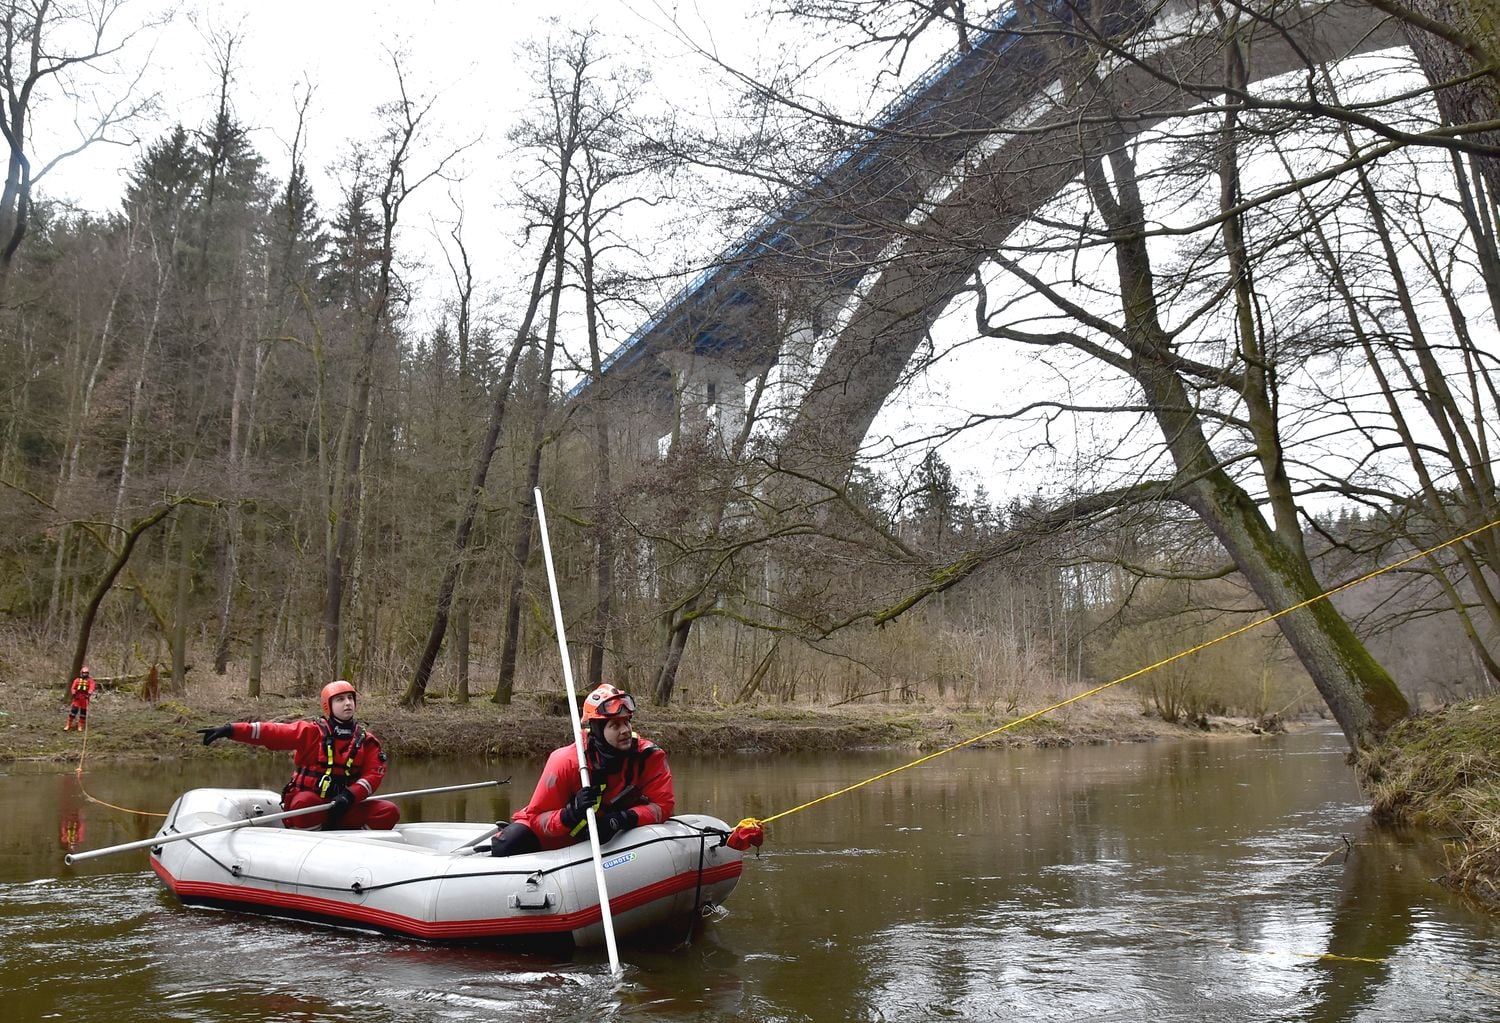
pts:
[69, 726]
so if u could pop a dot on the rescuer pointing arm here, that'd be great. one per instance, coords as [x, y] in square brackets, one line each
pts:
[337, 760]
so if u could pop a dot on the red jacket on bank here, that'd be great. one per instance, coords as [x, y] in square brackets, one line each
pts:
[643, 786]
[355, 762]
[80, 689]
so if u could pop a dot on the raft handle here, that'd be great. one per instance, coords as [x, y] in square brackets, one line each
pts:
[530, 899]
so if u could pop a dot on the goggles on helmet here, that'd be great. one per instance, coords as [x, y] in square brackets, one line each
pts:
[614, 706]
[607, 702]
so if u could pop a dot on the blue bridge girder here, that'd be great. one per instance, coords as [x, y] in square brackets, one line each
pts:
[826, 239]
[839, 229]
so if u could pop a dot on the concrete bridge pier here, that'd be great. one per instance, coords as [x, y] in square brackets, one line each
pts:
[710, 396]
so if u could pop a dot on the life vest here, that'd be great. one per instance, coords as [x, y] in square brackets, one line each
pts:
[80, 687]
[330, 776]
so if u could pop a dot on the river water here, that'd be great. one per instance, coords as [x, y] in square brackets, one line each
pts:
[1175, 881]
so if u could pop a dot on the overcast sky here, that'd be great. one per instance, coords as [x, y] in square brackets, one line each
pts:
[464, 56]
[462, 53]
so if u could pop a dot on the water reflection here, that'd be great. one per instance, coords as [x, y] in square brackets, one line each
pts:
[1172, 882]
[72, 828]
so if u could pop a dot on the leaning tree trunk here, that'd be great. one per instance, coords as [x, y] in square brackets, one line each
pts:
[1363, 697]
[521, 553]
[107, 580]
[1361, 694]
[677, 638]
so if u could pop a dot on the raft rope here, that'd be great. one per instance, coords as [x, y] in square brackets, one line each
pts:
[698, 905]
[699, 835]
[756, 824]
[753, 826]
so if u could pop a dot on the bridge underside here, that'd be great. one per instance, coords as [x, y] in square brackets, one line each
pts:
[902, 256]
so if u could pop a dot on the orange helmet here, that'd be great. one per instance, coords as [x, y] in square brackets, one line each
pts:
[333, 689]
[607, 702]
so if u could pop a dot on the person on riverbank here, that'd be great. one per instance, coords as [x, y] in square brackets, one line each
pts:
[630, 783]
[79, 692]
[337, 760]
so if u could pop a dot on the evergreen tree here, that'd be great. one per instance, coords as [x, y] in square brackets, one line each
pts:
[163, 182]
[298, 239]
[351, 264]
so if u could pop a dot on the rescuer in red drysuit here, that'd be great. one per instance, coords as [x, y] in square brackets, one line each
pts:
[630, 785]
[79, 691]
[337, 759]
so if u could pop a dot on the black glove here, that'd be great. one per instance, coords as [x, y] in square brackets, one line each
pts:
[614, 822]
[341, 800]
[578, 808]
[210, 735]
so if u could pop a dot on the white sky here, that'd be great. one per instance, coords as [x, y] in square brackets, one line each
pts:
[464, 55]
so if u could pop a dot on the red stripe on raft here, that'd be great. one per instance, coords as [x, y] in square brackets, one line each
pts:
[494, 927]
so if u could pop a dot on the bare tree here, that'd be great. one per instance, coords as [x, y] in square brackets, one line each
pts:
[484, 456]
[30, 64]
[394, 185]
[559, 137]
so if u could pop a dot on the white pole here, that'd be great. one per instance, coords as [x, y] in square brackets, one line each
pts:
[583, 766]
[254, 822]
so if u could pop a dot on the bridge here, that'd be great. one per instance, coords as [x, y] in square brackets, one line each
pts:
[883, 237]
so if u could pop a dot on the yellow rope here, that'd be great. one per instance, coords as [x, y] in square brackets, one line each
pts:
[1322, 957]
[1472, 978]
[78, 771]
[762, 821]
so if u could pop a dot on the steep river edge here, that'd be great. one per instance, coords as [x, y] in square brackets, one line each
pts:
[1441, 771]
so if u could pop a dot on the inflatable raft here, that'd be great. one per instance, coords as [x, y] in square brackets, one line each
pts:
[426, 881]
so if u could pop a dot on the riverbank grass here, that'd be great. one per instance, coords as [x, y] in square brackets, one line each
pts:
[123, 726]
[1441, 771]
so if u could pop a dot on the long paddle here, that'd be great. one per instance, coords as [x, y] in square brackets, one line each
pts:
[252, 822]
[583, 767]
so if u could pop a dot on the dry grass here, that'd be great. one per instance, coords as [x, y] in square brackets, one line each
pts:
[1442, 771]
[122, 725]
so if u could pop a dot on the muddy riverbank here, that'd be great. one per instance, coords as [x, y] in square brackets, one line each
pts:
[124, 726]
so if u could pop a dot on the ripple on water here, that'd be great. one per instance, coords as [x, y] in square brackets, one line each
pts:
[582, 993]
[55, 971]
